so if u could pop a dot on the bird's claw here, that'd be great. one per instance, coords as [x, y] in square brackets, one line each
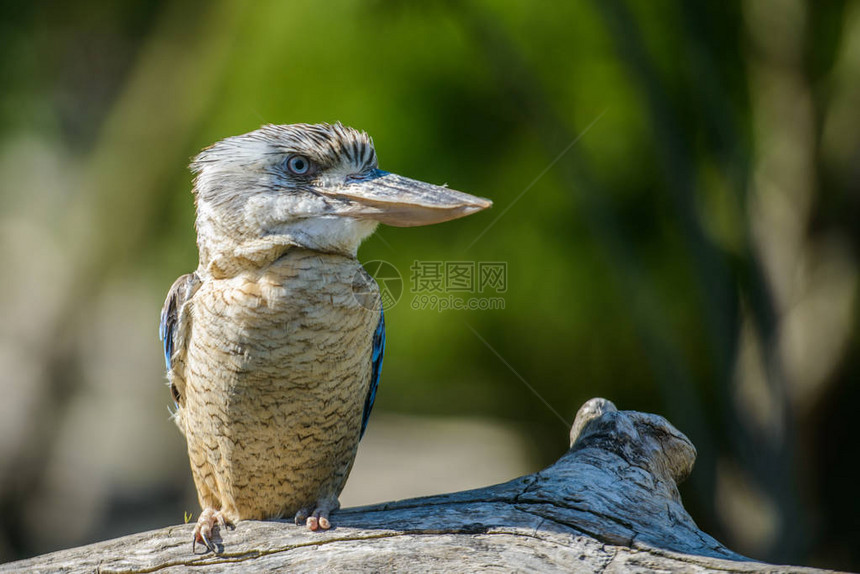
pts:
[318, 521]
[317, 518]
[207, 530]
[206, 542]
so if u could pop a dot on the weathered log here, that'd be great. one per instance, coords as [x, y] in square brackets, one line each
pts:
[611, 503]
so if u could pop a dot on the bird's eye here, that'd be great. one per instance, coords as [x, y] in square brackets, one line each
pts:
[298, 164]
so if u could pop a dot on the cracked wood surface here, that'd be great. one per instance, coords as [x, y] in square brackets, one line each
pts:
[610, 504]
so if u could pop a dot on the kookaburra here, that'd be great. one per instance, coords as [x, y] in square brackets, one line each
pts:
[274, 344]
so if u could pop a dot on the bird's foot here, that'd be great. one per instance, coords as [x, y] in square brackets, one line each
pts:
[207, 529]
[317, 517]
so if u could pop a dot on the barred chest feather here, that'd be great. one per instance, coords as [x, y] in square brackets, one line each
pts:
[280, 364]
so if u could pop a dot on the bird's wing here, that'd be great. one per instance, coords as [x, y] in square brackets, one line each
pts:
[173, 326]
[376, 369]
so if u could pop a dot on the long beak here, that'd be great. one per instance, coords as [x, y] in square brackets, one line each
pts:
[403, 202]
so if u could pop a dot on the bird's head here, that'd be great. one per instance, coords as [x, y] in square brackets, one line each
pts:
[312, 186]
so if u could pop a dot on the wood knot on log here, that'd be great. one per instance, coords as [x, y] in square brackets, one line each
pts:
[645, 440]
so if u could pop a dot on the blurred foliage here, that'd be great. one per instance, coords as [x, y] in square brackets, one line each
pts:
[709, 189]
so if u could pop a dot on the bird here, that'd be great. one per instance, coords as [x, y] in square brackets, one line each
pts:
[274, 345]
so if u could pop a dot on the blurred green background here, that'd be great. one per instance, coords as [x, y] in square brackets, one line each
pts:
[676, 188]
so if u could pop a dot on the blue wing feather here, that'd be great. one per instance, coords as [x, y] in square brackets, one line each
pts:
[376, 369]
[165, 333]
[180, 292]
